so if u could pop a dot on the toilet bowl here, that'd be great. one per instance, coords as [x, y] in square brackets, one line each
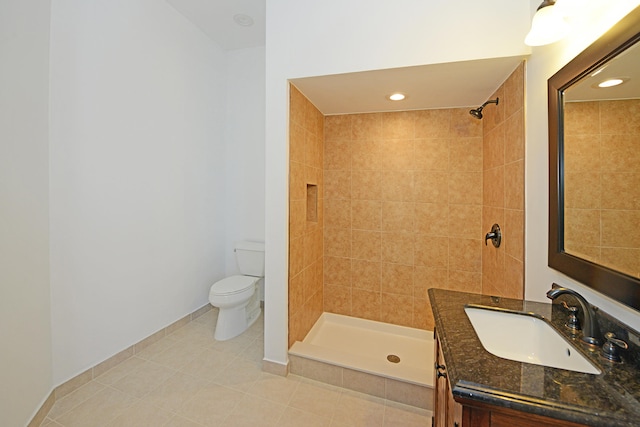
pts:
[238, 296]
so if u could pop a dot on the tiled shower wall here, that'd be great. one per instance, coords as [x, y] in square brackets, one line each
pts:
[306, 136]
[403, 211]
[407, 199]
[503, 189]
[602, 182]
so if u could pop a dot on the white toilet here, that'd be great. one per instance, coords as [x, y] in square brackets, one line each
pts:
[238, 297]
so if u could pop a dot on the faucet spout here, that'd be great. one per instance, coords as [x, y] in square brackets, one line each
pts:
[591, 330]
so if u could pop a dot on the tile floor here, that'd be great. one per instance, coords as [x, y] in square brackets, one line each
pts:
[187, 379]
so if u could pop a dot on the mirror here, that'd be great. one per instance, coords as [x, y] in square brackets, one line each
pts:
[594, 165]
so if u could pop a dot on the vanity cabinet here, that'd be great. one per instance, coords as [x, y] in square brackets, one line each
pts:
[451, 412]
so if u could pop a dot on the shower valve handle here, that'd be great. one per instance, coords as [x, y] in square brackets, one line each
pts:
[495, 235]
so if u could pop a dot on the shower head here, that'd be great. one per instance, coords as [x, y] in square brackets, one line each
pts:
[477, 112]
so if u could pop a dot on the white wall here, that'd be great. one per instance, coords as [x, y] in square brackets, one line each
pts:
[589, 22]
[334, 36]
[137, 175]
[25, 325]
[244, 139]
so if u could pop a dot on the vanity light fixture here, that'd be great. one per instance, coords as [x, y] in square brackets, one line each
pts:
[396, 96]
[548, 25]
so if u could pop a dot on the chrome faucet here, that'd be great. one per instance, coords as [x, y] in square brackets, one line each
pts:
[590, 330]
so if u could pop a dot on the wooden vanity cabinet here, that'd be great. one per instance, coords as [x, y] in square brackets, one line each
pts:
[448, 412]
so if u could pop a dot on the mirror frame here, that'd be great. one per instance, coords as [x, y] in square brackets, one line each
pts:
[619, 286]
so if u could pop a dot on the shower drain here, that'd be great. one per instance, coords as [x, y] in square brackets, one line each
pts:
[393, 358]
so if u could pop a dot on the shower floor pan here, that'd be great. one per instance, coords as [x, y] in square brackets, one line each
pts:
[381, 349]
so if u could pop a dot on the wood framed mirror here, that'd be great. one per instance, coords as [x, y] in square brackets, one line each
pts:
[594, 165]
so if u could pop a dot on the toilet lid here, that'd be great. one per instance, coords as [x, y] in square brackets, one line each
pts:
[233, 285]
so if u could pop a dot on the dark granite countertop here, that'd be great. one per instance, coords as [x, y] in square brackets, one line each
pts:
[609, 399]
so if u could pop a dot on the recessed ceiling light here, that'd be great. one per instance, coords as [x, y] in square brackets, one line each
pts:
[397, 96]
[243, 20]
[612, 82]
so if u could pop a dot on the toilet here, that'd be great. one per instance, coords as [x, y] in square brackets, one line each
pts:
[238, 297]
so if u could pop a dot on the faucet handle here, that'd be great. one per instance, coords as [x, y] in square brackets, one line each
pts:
[573, 322]
[610, 348]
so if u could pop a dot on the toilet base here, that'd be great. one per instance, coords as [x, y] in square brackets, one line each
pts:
[234, 321]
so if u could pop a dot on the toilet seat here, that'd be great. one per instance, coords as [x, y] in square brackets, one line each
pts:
[233, 285]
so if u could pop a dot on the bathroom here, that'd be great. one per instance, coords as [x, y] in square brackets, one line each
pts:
[477, 34]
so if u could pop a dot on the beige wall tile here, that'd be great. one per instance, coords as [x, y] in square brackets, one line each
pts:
[337, 184]
[366, 185]
[366, 275]
[431, 187]
[465, 254]
[398, 247]
[620, 117]
[397, 279]
[365, 304]
[432, 154]
[400, 125]
[493, 147]
[365, 245]
[463, 125]
[432, 251]
[465, 188]
[397, 309]
[582, 153]
[337, 213]
[432, 219]
[432, 123]
[398, 216]
[465, 154]
[493, 187]
[337, 128]
[337, 271]
[397, 186]
[366, 214]
[398, 155]
[337, 299]
[583, 190]
[465, 221]
[514, 137]
[366, 154]
[337, 242]
[514, 185]
[337, 154]
[366, 126]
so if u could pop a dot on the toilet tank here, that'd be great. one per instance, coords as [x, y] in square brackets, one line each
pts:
[250, 257]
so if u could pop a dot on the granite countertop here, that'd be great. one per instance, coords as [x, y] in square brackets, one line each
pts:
[609, 399]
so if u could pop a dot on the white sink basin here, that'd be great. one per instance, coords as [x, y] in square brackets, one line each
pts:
[525, 337]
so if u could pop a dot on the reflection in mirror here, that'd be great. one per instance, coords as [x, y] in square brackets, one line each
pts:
[602, 165]
[594, 165]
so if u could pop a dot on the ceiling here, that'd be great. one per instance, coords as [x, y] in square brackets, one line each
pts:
[460, 84]
[216, 19]
[450, 85]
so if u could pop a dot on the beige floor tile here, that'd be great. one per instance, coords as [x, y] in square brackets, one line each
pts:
[316, 397]
[158, 346]
[178, 355]
[121, 370]
[399, 415]
[98, 410]
[239, 375]
[293, 417]
[73, 399]
[235, 345]
[208, 364]
[208, 318]
[211, 405]
[48, 422]
[253, 411]
[141, 414]
[176, 390]
[178, 421]
[357, 409]
[143, 379]
[255, 351]
[275, 388]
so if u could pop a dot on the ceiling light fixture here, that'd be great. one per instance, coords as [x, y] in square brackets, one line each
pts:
[243, 20]
[612, 82]
[547, 26]
[397, 96]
